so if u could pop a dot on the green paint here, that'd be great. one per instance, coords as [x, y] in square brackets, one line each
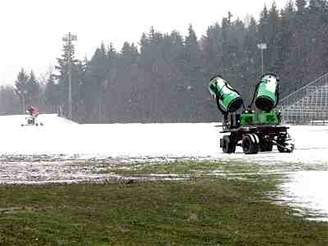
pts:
[266, 95]
[259, 118]
[226, 95]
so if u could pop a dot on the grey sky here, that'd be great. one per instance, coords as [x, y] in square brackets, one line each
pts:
[32, 30]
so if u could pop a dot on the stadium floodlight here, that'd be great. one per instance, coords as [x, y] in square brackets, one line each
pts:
[262, 47]
[69, 38]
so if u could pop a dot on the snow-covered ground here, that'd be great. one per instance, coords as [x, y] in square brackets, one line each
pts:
[309, 189]
[60, 136]
[31, 154]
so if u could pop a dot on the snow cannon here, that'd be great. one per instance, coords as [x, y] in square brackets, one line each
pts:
[227, 98]
[267, 92]
[253, 130]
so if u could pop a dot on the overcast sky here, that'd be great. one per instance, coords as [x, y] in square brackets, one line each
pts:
[32, 31]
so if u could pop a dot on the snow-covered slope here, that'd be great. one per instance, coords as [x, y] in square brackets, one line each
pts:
[14, 121]
[55, 136]
[60, 136]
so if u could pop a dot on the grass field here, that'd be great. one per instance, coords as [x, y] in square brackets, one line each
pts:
[201, 210]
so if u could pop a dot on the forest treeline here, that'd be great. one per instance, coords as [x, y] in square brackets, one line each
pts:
[164, 77]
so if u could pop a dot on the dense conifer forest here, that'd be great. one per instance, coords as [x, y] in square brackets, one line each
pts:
[164, 77]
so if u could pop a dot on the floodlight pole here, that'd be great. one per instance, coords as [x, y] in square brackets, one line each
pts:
[23, 101]
[69, 38]
[262, 47]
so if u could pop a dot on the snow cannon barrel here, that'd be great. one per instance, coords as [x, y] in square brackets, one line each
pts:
[227, 98]
[267, 92]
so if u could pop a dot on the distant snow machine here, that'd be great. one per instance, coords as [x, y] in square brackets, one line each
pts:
[32, 120]
[254, 129]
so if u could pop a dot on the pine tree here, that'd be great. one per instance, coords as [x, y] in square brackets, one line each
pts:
[93, 87]
[69, 67]
[284, 40]
[165, 78]
[193, 76]
[300, 6]
[249, 58]
[52, 95]
[9, 103]
[22, 89]
[33, 90]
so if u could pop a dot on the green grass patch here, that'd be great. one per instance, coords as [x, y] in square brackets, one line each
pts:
[186, 167]
[202, 211]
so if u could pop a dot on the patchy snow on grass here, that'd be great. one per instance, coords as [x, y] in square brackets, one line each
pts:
[308, 189]
[32, 154]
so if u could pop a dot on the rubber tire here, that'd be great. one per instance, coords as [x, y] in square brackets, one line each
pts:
[228, 146]
[283, 150]
[249, 147]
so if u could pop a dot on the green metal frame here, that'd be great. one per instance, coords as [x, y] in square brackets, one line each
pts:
[260, 118]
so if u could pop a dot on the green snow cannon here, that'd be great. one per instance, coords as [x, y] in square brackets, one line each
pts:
[267, 92]
[227, 98]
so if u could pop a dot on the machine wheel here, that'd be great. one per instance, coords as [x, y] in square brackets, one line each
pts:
[284, 147]
[228, 146]
[285, 144]
[250, 144]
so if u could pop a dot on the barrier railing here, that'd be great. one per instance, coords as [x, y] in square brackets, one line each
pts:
[307, 104]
